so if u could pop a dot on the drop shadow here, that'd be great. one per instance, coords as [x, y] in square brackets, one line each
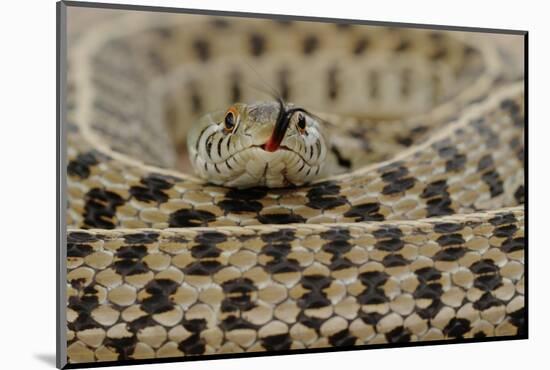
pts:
[47, 358]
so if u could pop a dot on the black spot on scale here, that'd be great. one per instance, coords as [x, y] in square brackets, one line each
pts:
[337, 248]
[394, 174]
[124, 347]
[399, 186]
[488, 282]
[100, 208]
[389, 239]
[431, 292]
[220, 23]
[280, 236]
[439, 201]
[511, 245]
[426, 274]
[370, 318]
[234, 323]
[403, 45]
[315, 286]
[457, 327]
[152, 189]
[81, 237]
[310, 322]
[159, 300]
[131, 252]
[202, 49]
[239, 295]
[284, 22]
[360, 46]
[279, 261]
[257, 44]
[394, 260]
[241, 201]
[141, 323]
[390, 174]
[80, 166]
[342, 162]
[450, 254]
[130, 260]
[193, 344]
[365, 212]
[505, 231]
[324, 195]
[78, 250]
[450, 239]
[343, 26]
[518, 319]
[444, 149]
[332, 83]
[284, 89]
[374, 288]
[335, 233]
[492, 179]
[209, 237]
[439, 53]
[398, 335]
[448, 227]
[206, 250]
[141, 238]
[456, 163]
[485, 162]
[280, 219]
[279, 342]
[342, 338]
[519, 194]
[310, 44]
[487, 301]
[190, 218]
[83, 305]
[510, 105]
[502, 219]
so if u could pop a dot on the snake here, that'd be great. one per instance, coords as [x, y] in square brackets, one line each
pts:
[245, 185]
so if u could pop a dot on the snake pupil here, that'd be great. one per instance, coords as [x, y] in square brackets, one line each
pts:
[229, 121]
[301, 122]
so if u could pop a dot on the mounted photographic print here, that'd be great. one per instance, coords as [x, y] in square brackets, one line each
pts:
[235, 184]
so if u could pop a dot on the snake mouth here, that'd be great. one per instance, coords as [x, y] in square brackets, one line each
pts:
[281, 127]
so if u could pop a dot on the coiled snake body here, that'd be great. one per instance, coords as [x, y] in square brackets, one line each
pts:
[420, 235]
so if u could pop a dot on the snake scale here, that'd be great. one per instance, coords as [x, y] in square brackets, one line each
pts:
[418, 236]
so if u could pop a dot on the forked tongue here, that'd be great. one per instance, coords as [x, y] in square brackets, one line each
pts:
[278, 134]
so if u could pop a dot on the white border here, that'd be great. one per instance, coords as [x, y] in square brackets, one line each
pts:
[27, 189]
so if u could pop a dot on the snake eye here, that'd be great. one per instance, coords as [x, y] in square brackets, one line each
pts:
[301, 123]
[229, 121]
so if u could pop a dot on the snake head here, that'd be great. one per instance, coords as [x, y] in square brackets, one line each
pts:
[269, 144]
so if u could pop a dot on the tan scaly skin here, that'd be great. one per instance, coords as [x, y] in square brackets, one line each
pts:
[420, 236]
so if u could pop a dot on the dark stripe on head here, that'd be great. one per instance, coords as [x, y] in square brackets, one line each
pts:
[200, 137]
[219, 146]
[209, 144]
